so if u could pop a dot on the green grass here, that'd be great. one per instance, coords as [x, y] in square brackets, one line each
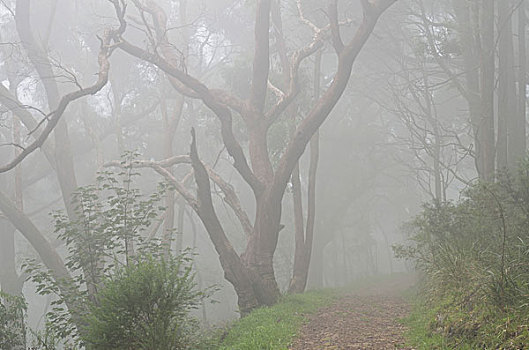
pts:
[420, 335]
[274, 328]
[478, 328]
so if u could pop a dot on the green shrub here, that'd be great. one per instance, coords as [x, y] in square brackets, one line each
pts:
[474, 255]
[124, 287]
[145, 306]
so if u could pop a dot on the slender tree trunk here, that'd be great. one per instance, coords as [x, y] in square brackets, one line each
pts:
[200, 283]
[170, 126]
[522, 79]
[304, 236]
[465, 14]
[296, 283]
[180, 226]
[485, 132]
[315, 280]
[436, 147]
[508, 145]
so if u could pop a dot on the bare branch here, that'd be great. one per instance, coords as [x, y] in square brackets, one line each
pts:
[104, 67]
[297, 58]
[233, 201]
[304, 19]
[211, 100]
[326, 103]
[161, 169]
[277, 91]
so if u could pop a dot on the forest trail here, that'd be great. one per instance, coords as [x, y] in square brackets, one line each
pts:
[367, 318]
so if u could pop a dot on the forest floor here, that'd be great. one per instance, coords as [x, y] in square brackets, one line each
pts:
[367, 318]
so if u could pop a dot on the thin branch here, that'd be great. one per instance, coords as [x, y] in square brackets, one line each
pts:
[104, 67]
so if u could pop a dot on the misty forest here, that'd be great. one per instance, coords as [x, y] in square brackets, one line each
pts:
[264, 174]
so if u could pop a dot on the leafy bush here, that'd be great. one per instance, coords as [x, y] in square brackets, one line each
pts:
[145, 306]
[12, 329]
[475, 258]
[121, 287]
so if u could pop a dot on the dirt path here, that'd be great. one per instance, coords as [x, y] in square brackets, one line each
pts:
[365, 319]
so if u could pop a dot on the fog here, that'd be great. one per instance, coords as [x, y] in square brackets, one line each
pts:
[293, 139]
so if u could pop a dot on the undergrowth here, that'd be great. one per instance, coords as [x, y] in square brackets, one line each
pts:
[446, 324]
[474, 255]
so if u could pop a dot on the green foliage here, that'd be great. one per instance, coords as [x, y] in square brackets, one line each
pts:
[118, 274]
[274, 327]
[12, 311]
[145, 306]
[475, 257]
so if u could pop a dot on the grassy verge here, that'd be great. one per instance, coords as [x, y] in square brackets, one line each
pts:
[421, 335]
[446, 325]
[274, 328]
